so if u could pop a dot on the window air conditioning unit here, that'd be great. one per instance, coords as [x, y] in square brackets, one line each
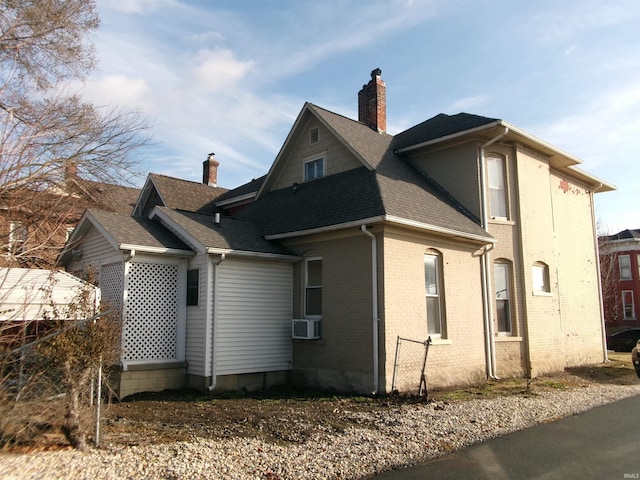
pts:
[306, 328]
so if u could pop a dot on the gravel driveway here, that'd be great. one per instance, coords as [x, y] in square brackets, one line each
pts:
[374, 440]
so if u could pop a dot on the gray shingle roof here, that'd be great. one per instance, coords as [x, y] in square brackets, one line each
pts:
[128, 230]
[395, 187]
[624, 235]
[230, 234]
[181, 194]
[439, 126]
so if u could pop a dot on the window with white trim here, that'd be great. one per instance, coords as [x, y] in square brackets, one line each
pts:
[502, 282]
[496, 180]
[433, 294]
[540, 277]
[628, 306]
[624, 263]
[314, 169]
[313, 287]
[193, 287]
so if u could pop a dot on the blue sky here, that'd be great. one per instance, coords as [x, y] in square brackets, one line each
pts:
[231, 76]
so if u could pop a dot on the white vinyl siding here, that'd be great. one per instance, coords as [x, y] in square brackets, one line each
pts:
[198, 335]
[253, 316]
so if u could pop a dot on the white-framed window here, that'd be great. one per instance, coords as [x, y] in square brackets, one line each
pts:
[313, 287]
[624, 263]
[496, 179]
[314, 135]
[628, 306]
[502, 281]
[17, 237]
[433, 294]
[540, 277]
[193, 287]
[313, 169]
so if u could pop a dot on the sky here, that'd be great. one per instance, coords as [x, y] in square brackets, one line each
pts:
[231, 76]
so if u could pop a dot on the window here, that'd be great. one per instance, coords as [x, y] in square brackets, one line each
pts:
[628, 307]
[193, 287]
[314, 169]
[503, 306]
[17, 237]
[433, 289]
[624, 262]
[314, 136]
[497, 192]
[313, 287]
[540, 274]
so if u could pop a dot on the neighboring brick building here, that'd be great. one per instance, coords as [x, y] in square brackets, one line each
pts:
[620, 272]
[462, 229]
[35, 224]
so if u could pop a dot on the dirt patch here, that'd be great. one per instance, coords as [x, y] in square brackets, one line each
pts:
[284, 415]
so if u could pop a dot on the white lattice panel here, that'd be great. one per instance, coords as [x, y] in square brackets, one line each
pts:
[111, 281]
[152, 312]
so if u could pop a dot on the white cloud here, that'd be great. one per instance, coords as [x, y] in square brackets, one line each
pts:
[219, 70]
[138, 6]
[119, 90]
[468, 103]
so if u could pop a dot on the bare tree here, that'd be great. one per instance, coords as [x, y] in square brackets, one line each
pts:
[50, 139]
[609, 277]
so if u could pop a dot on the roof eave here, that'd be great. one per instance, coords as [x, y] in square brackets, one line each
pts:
[157, 250]
[247, 254]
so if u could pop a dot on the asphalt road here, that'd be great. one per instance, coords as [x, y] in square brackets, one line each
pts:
[600, 444]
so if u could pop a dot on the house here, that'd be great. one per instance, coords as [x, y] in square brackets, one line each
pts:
[31, 297]
[462, 230]
[35, 223]
[620, 273]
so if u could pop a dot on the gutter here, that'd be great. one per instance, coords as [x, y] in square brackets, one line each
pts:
[214, 319]
[374, 306]
[485, 264]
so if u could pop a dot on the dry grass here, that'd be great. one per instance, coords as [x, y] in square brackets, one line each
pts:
[284, 415]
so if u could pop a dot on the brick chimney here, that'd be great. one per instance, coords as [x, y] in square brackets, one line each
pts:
[210, 171]
[372, 103]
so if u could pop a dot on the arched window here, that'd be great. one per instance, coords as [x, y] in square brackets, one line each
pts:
[502, 283]
[496, 184]
[434, 294]
[540, 277]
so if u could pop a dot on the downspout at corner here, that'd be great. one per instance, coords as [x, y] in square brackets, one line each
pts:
[599, 273]
[214, 320]
[374, 306]
[485, 265]
[132, 253]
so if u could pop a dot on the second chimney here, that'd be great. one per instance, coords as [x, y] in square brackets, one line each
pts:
[210, 171]
[372, 103]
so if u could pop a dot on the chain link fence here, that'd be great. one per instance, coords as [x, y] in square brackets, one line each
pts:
[409, 366]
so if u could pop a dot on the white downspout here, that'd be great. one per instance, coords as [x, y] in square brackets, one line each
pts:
[597, 248]
[485, 266]
[374, 306]
[125, 296]
[214, 319]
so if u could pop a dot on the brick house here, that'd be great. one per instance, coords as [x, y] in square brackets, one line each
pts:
[462, 229]
[35, 224]
[620, 272]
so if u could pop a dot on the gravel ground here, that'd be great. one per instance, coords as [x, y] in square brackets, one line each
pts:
[401, 435]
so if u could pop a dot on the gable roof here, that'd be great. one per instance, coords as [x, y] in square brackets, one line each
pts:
[179, 194]
[230, 236]
[385, 188]
[243, 192]
[107, 196]
[125, 232]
